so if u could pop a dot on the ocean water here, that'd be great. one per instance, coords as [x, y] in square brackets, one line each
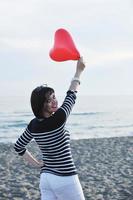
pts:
[92, 117]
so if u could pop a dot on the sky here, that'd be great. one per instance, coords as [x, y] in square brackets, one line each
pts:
[101, 29]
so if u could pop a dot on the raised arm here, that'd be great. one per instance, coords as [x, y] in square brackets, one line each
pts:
[63, 112]
[76, 79]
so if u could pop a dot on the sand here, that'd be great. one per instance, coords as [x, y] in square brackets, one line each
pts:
[104, 168]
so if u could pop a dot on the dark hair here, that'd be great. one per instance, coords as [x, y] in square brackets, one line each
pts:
[38, 97]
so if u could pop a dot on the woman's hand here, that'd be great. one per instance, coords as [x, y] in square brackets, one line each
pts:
[32, 160]
[76, 79]
[80, 65]
[40, 163]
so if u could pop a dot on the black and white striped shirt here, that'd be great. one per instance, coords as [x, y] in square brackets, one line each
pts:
[53, 139]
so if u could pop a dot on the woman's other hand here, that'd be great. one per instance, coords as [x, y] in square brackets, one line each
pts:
[40, 163]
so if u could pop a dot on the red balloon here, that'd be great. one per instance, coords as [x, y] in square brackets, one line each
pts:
[64, 47]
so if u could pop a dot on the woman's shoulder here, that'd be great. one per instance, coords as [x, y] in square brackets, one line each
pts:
[33, 124]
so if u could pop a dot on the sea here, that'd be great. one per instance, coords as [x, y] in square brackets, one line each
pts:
[91, 117]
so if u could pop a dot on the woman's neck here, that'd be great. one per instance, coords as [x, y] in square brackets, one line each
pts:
[47, 114]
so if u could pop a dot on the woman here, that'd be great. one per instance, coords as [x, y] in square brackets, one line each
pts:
[58, 179]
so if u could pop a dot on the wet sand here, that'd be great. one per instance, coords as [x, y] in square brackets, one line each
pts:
[105, 168]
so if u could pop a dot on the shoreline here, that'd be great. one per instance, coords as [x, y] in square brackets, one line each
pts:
[76, 139]
[104, 167]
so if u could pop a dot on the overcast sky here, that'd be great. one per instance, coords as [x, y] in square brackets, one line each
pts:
[101, 29]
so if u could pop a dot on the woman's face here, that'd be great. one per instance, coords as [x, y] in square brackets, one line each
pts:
[50, 106]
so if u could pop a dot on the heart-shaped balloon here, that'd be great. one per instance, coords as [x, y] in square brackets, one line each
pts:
[64, 47]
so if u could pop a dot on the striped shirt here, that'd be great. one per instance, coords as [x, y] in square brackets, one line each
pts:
[53, 140]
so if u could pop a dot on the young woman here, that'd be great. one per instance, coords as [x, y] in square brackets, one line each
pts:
[58, 179]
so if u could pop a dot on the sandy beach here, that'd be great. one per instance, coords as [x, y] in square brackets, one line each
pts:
[104, 167]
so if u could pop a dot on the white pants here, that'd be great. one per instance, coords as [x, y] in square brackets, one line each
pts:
[55, 187]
